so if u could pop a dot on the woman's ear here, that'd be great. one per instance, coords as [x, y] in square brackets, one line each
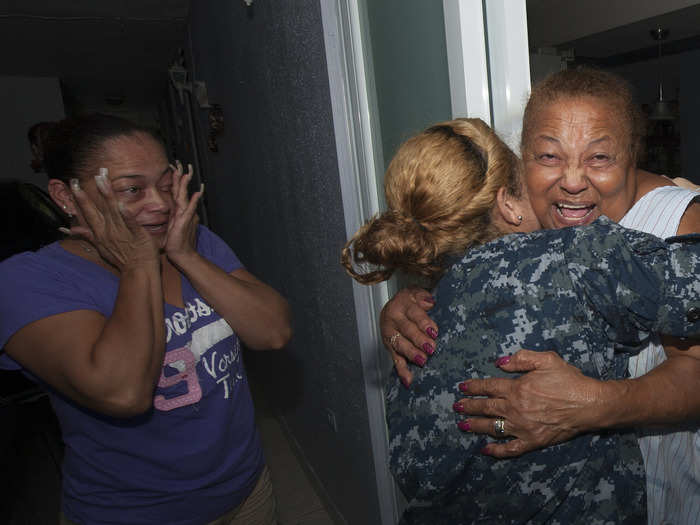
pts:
[61, 195]
[509, 208]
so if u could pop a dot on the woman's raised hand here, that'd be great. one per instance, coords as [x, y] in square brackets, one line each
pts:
[182, 228]
[108, 226]
[407, 331]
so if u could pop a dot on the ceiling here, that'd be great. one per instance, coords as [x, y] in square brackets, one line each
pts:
[613, 32]
[121, 48]
[104, 48]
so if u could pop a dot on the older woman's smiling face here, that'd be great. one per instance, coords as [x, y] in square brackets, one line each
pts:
[579, 163]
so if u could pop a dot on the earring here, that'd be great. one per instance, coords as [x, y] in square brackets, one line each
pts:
[65, 208]
[520, 219]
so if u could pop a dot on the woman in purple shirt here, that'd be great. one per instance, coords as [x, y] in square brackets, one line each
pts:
[133, 324]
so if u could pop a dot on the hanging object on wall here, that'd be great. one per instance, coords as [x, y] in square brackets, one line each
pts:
[661, 109]
[216, 126]
[179, 77]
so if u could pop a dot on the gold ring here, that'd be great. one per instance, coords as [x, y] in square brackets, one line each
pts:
[499, 427]
[393, 339]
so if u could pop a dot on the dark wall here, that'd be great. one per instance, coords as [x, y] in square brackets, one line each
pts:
[273, 193]
[690, 115]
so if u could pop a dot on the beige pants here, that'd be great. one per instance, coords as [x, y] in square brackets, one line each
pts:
[260, 508]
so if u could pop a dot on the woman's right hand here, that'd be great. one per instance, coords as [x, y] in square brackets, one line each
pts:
[406, 315]
[108, 226]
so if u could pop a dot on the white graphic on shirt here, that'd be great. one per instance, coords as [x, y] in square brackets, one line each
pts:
[186, 358]
[180, 322]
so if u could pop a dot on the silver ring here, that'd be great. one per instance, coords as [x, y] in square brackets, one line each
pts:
[392, 340]
[499, 427]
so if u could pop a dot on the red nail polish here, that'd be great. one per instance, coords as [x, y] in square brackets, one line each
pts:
[503, 360]
[431, 332]
[419, 360]
[457, 407]
[428, 348]
[464, 426]
[463, 387]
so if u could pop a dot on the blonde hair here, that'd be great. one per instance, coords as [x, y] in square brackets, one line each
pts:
[440, 190]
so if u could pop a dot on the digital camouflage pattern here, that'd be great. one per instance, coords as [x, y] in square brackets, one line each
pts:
[593, 295]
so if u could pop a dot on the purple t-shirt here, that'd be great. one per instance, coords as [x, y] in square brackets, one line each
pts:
[197, 453]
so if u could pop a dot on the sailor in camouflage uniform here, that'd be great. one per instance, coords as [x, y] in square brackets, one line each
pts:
[592, 294]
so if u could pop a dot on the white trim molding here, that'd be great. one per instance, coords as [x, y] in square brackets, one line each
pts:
[357, 161]
[467, 59]
[509, 66]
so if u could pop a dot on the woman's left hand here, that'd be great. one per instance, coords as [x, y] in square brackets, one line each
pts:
[551, 403]
[180, 240]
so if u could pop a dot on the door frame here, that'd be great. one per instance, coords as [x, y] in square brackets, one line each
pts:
[486, 47]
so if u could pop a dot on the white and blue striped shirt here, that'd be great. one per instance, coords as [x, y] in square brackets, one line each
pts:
[671, 458]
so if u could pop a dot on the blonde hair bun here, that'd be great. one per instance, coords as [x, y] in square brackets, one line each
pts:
[440, 189]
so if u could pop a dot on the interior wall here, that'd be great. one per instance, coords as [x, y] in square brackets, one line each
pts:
[273, 194]
[666, 143]
[689, 102]
[24, 101]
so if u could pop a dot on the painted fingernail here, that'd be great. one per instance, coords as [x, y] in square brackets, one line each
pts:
[457, 407]
[419, 359]
[431, 332]
[405, 383]
[463, 387]
[428, 348]
[464, 426]
[486, 451]
[75, 185]
[503, 360]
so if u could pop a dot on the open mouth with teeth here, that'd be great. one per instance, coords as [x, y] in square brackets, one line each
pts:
[574, 212]
[156, 228]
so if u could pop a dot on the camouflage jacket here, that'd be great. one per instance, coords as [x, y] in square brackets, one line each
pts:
[592, 294]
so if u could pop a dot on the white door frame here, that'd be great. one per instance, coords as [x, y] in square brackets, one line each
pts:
[489, 62]
[477, 63]
[357, 137]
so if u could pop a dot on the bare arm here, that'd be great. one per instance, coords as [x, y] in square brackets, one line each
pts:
[108, 365]
[255, 311]
[663, 396]
[554, 401]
